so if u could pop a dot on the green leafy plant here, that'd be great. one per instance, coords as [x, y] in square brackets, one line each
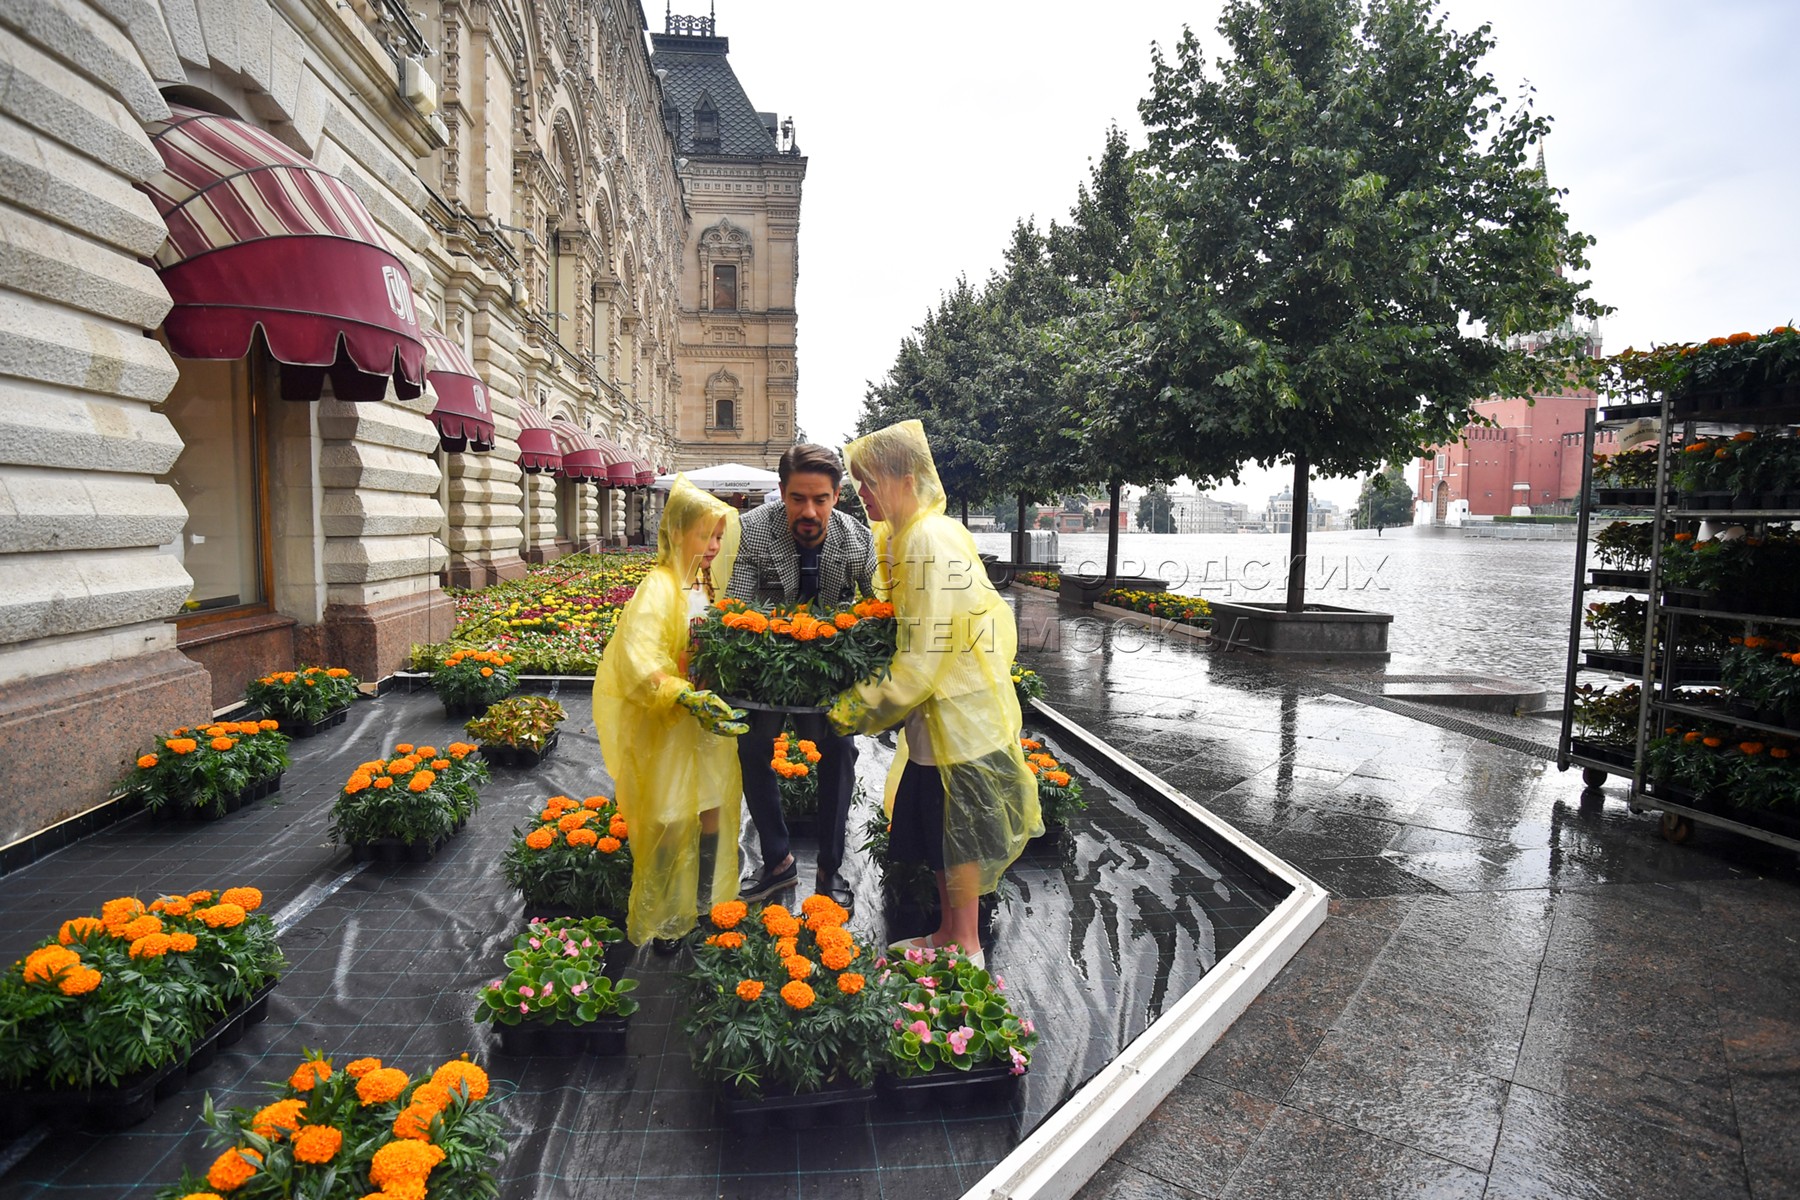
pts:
[366, 1129]
[199, 768]
[1763, 673]
[1607, 717]
[527, 721]
[784, 1004]
[903, 884]
[132, 989]
[952, 1015]
[1617, 625]
[790, 657]
[575, 858]
[477, 677]
[309, 694]
[1722, 765]
[1625, 545]
[415, 797]
[1029, 685]
[1634, 468]
[1059, 792]
[556, 974]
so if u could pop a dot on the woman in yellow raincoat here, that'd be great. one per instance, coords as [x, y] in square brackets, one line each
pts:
[959, 793]
[667, 746]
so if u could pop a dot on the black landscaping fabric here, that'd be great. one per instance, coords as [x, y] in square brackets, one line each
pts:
[1098, 931]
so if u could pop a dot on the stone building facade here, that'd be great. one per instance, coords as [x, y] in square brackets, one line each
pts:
[743, 172]
[232, 229]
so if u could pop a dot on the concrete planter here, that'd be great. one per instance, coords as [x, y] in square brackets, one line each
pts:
[1322, 631]
[1086, 589]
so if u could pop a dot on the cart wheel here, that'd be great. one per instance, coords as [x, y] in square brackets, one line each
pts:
[1676, 828]
[1594, 776]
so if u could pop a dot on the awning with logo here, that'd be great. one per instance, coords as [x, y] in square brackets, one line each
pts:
[262, 240]
[538, 450]
[462, 416]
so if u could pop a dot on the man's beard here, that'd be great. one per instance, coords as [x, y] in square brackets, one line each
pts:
[808, 532]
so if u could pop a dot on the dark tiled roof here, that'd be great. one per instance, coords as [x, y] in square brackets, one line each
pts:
[699, 65]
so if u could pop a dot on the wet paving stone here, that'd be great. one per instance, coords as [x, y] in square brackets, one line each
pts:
[1302, 1154]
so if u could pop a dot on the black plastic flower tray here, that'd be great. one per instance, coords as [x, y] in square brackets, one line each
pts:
[129, 1103]
[393, 850]
[306, 729]
[832, 1105]
[991, 1084]
[602, 1038]
[500, 754]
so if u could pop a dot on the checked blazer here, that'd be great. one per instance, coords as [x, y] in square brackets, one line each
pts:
[768, 562]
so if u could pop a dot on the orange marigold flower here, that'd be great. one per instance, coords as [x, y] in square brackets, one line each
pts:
[749, 989]
[836, 957]
[583, 837]
[425, 752]
[183, 942]
[1778, 752]
[414, 1122]
[153, 945]
[1712, 743]
[233, 1169]
[421, 782]
[279, 1119]
[402, 766]
[309, 1073]
[834, 935]
[1690, 737]
[384, 783]
[143, 927]
[608, 845]
[1029, 744]
[317, 1143]
[121, 910]
[146, 761]
[617, 827]
[732, 940]
[182, 745]
[201, 896]
[845, 620]
[850, 983]
[222, 916]
[403, 747]
[1059, 778]
[380, 1085]
[222, 743]
[594, 803]
[79, 929]
[486, 671]
[203, 1196]
[458, 1075]
[560, 804]
[1751, 748]
[574, 820]
[176, 906]
[787, 947]
[42, 964]
[771, 914]
[78, 981]
[798, 995]
[727, 914]
[440, 764]
[404, 1162]
[247, 898]
[540, 838]
[798, 966]
[362, 1066]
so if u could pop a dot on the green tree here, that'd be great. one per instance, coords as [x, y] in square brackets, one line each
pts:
[1385, 500]
[1155, 510]
[1351, 242]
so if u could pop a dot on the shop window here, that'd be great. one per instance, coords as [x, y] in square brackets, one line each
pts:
[221, 477]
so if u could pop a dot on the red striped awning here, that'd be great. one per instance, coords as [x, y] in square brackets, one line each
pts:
[538, 450]
[621, 468]
[261, 239]
[582, 455]
[646, 474]
[462, 415]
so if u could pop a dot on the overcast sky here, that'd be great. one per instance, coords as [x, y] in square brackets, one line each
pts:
[930, 127]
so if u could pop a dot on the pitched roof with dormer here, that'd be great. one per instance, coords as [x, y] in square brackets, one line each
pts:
[699, 75]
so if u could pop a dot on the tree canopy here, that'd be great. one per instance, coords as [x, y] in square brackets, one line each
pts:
[1385, 499]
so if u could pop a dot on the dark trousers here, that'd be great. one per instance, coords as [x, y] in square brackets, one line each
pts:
[836, 770]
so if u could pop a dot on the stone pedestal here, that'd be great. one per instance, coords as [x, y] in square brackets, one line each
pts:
[1321, 631]
[375, 640]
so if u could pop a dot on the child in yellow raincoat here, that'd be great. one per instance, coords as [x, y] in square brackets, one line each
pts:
[668, 746]
[959, 792]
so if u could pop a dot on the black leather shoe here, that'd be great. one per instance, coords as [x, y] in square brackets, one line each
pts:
[768, 883]
[838, 888]
[666, 947]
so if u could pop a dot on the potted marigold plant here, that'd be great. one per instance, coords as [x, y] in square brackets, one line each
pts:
[519, 731]
[409, 805]
[211, 770]
[94, 1018]
[305, 701]
[1059, 792]
[575, 862]
[953, 1031]
[792, 760]
[556, 997]
[788, 1014]
[470, 680]
[364, 1130]
[789, 658]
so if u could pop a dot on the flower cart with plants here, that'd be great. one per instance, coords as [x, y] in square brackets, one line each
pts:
[202, 773]
[306, 701]
[109, 1014]
[519, 731]
[556, 998]
[575, 862]
[788, 1014]
[956, 1037]
[1718, 598]
[468, 681]
[405, 807]
[360, 1130]
[790, 658]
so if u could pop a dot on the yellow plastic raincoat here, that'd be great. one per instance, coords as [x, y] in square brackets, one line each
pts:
[663, 764]
[956, 640]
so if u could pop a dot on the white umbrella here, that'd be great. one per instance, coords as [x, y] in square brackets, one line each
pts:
[725, 479]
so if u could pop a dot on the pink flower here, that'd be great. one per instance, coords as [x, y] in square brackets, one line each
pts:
[1018, 1060]
[535, 943]
[527, 991]
[524, 1007]
[494, 984]
[899, 1024]
[571, 950]
[579, 988]
[922, 1029]
[548, 988]
[929, 983]
[959, 1041]
[909, 1006]
[999, 983]
[1026, 1027]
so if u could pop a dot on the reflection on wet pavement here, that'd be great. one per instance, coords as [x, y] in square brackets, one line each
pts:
[1521, 991]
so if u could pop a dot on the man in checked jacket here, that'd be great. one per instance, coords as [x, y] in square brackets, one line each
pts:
[801, 550]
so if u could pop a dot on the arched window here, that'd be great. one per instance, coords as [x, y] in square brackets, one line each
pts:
[725, 414]
[722, 394]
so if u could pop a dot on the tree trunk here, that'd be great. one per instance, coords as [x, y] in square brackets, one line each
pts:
[1296, 583]
[1112, 531]
[1019, 538]
[965, 510]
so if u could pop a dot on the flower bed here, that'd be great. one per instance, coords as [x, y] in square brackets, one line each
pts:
[1059, 792]
[518, 732]
[1189, 610]
[111, 997]
[789, 657]
[366, 1130]
[415, 799]
[1049, 581]
[306, 700]
[783, 1004]
[207, 770]
[556, 997]
[576, 861]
